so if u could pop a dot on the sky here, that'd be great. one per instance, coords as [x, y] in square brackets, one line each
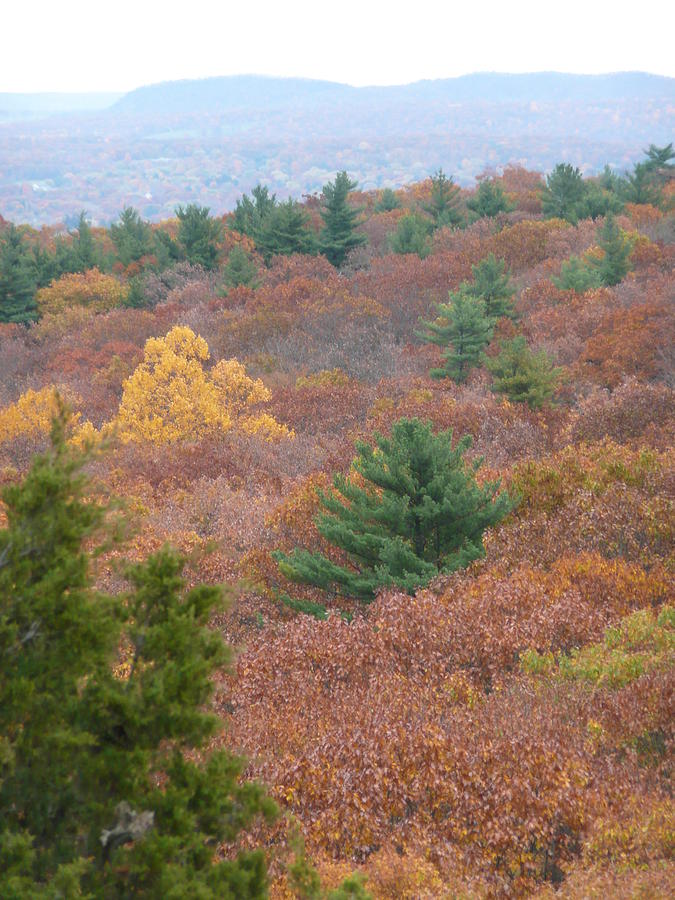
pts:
[82, 45]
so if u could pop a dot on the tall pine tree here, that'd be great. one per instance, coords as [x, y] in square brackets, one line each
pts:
[17, 279]
[338, 235]
[418, 511]
[463, 330]
[492, 284]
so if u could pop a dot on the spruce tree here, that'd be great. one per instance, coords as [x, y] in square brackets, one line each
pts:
[198, 235]
[614, 264]
[464, 330]
[443, 206]
[285, 231]
[492, 284]
[522, 375]
[239, 269]
[131, 236]
[411, 236]
[564, 192]
[17, 279]
[338, 235]
[101, 794]
[489, 200]
[417, 512]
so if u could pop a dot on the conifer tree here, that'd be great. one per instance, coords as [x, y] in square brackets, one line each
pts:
[17, 279]
[251, 212]
[388, 201]
[613, 266]
[411, 236]
[284, 231]
[464, 330]
[577, 275]
[198, 234]
[239, 269]
[564, 192]
[100, 795]
[131, 236]
[338, 235]
[489, 200]
[443, 206]
[522, 375]
[492, 284]
[419, 512]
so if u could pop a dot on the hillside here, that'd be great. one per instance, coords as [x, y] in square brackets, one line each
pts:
[209, 141]
[426, 438]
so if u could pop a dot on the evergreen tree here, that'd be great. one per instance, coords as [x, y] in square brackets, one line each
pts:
[464, 330]
[614, 264]
[136, 297]
[388, 201]
[17, 279]
[131, 236]
[338, 235]
[492, 284]
[598, 202]
[284, 231]
[420, 512]
[101, 795]
[523, 376]
[443, 206]
[564, 192]
[640, 185]
[577, 275]
[489, 200]
[198, 235]
[411, 236]
[239, 269]
[251, 212]
[83, 251]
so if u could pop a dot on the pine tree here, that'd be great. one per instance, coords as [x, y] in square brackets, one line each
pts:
[100, 794]
[84, 253]
[285, 231]
[464, 330]
[419, 512]
[131, 236]
[250, 213]
[411, 236]
[641, 186]
[492, 284]
[198, 234]
[522, 375]
[614, 264]
[443, 206]
[564, 192]
[577, 275]
[388, 201]
[338, 235]
[17, 279]
[489, 200]
[240, 269]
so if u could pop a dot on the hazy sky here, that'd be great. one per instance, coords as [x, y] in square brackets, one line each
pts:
[83, 45]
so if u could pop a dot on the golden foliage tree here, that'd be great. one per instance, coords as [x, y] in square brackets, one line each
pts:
[92, 289]
[171, 396]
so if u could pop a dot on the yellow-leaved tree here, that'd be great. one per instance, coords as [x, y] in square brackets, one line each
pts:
[171, 396]
[92, 290]
[31, 416]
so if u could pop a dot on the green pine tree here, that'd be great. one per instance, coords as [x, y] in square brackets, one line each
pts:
[285, 231]
[101, 794]
[522, 375]
[444, 204]
[388, 200]
[564, 193]
[240, 269]
[614, 264]
[411, 236]
[492, 284]
[84, 252]
[251, 212]
[131, 236]
[577, 275]
[17, 279]
[198, 235]
[420, 512]
[463, 330]
[338, 235]
[489, 200]
[641, 186]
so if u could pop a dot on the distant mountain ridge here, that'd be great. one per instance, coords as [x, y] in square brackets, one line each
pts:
[260, 91]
